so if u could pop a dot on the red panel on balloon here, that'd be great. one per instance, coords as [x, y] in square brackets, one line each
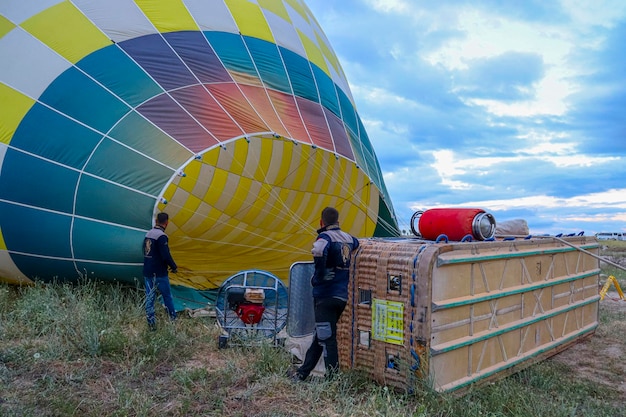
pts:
[203, 107]
[261, 102]
[238, 107]
[287, 110]
[314, 119]
[342, 143]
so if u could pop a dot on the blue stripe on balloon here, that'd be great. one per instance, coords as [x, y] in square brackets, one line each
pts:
[269, 64]
[36, 182]
[124, 166]
[327, 91]
[108, 202]
[46, 269]
[232, 51]
[358, 154]
[88, 102]
[299, 71]
[87, 238]
[156, 57]
[365, 140]
[53, 136]
[139, 134]
[348, 113]
[126, 274]
[194, 50]
[117, 72]
[35, 231]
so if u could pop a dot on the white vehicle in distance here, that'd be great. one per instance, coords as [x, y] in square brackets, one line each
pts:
[611, 236]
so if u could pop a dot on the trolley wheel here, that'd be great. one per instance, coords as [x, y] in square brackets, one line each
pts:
[222, 342]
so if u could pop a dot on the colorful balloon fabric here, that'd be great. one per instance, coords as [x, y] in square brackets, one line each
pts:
[232, 116]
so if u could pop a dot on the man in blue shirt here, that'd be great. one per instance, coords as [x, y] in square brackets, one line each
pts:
[156, 260]
[331, 254]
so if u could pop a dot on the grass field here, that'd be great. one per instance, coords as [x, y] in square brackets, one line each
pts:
[85, 351]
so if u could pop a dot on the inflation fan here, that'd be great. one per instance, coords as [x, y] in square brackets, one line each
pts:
[251, 307]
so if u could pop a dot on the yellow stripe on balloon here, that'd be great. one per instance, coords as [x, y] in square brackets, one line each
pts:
[298, 177]
[189, 209]
[281, 213]
[197, 177]
[5, 26]
[313, 52]
[250, 19]
[14, 107]
[252, 159]
[318, 158]
[176, 201]
[214, 182]
[308, 207]
[239, 196]
[254, 192]
[337, 184]
[297, 6]
[357, 180]
[217, 189]
[66, 31]
[372, 205]
[189, 181]
[197, 216]
[290, 175]
[276, 7]
[323, 183]
[208, 216]
[239, 155]
[281, 159]
[218, 230]
[3, 245]
[264, 164]
[254, 214]
[353, 219]
[211, 157]
[167, 15]
[329, 55]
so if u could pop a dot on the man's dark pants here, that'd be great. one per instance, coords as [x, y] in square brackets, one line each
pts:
[327, 314]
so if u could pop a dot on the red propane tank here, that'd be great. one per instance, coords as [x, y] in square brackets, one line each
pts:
[455, 223]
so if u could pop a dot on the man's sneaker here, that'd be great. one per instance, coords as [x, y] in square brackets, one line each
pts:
[295, 376]
[152, 327]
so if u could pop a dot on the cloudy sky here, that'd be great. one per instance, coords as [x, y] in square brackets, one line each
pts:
[516, 107]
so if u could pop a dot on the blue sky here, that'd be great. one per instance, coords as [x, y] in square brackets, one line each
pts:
[516, 107]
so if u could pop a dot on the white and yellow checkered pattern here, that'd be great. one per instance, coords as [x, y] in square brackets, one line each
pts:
[265, 207]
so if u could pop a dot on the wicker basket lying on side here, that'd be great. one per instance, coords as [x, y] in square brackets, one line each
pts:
[453, 314]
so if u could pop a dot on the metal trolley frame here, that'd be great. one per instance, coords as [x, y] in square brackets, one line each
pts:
[251, 307]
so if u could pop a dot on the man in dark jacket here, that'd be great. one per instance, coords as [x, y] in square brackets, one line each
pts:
[156, 260]
[331, 254]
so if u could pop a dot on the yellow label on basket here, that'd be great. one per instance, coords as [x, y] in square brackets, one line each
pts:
[388, 321]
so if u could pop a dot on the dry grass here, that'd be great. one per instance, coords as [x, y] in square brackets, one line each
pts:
[86, 351]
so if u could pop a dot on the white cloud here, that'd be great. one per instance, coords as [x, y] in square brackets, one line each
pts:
[615, 198]
[528, 156]
[446, 167]
[389, 6]
[595, 13]
[491, 35]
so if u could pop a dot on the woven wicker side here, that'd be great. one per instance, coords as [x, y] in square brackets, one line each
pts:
[384, 272]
